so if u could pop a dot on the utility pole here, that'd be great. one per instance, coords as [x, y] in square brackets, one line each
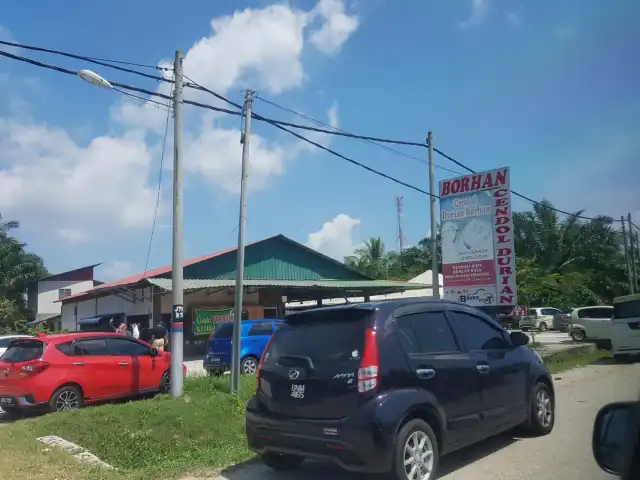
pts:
[632, 254]
[177, 264]
[400, 233]
[237, 312]
[626, 254]
[435, 276]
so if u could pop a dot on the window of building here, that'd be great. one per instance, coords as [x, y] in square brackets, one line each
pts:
[270, 312]
[64, 293]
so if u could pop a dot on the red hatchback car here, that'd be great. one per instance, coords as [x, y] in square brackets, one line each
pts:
[66, 371]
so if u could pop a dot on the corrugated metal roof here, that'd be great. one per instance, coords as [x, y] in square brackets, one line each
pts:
[196, 284]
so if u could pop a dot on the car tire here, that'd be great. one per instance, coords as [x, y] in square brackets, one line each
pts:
[249, 365]
[414, 433]
[623, 358]
[281, 461]
[579, 335]
[66, 398]
[165, 383]
[542, 411]
[542, 327]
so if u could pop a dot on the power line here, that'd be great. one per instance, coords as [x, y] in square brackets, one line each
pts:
[277, 123]
[96, 61]
[155, 212]
[370, 142]
[280, 126]
[146, 101]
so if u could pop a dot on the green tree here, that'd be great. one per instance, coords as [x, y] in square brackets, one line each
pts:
[18, 268]
[371, 258]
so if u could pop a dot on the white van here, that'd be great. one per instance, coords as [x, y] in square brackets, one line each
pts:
[625, 327]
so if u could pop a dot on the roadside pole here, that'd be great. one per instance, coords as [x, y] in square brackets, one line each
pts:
[435, 275]
[237, 312]
[177, 264]
[632, 254]
[626, 254]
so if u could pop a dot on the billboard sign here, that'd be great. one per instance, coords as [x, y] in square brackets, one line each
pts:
[478, 253]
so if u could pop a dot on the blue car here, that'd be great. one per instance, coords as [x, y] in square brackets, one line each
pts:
[254, 334]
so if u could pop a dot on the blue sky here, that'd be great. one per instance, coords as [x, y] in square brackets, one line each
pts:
[547, 88]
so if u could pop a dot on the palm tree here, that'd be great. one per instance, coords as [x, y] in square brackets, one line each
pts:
[371, 258]
[18, 268]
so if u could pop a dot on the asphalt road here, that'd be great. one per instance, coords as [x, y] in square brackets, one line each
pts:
[564, 454]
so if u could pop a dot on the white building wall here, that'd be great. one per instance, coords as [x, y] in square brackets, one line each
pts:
[48, 293]
[73, 311]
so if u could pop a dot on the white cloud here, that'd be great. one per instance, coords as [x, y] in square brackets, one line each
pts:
[337, 26]
[479, 9]
[71, 190]
[78, 191]
[115, 270]
[335, 238]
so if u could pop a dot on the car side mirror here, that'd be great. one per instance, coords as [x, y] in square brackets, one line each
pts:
[615, 433]
[519, 339]
[154, 352]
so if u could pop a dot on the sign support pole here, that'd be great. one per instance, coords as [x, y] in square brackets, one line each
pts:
[435, 276]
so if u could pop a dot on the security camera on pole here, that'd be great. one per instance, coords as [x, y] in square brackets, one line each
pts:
[237, 312]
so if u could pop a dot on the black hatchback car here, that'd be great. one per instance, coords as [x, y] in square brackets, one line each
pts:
[390, 387]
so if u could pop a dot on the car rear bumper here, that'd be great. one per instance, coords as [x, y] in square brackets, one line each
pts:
[24, 401]
[355, 443]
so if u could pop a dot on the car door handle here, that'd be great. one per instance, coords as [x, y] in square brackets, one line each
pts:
[425, 373]
[79, 364]
[123, 364]
[484, 369]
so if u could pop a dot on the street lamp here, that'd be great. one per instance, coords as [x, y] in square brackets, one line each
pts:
[94, 79]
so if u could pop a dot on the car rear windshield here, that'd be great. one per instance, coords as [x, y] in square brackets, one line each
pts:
[325, 336]
[223, 331]
[630, 309]
[23, 351]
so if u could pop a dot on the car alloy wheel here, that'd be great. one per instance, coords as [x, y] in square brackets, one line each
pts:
[544, 408]
[67, 400]
[418, 456]
[249, 366]
[578, 335]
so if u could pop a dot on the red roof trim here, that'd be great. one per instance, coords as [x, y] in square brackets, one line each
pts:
[133, 279]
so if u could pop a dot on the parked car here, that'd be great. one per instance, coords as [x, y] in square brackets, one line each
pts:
[625, 326]
[562, 321]
[254, 336]
[5, 339]
[539, 318]
[390, 387]
[591, 323]
[67, 371]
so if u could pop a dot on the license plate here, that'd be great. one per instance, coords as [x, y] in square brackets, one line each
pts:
[297, 391]
[214, 359]
[6, 401]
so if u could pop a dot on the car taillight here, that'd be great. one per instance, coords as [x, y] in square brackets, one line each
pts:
[369, 371]
[35, 367]
[264, 354]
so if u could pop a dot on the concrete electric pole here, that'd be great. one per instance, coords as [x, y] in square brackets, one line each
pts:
[237, 312]
[632, 254]
[628, 257]
[435, 275]
[177, 264]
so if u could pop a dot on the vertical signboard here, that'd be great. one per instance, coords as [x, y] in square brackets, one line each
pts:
[478, 253]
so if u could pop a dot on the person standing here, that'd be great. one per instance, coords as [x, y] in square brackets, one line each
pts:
[135, 330]
[159, 337]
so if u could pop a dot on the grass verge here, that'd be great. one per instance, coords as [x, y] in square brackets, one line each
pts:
[568, 361]
[155, 438]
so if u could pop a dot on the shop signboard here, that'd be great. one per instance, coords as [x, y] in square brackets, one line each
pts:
[478, 253]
